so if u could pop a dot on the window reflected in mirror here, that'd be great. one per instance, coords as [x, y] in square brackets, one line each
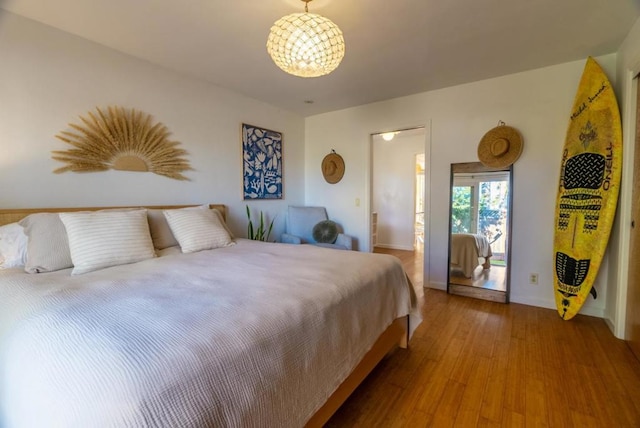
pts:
[479, 231]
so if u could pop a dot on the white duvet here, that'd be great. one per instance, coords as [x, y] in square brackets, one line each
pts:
[466, 248]
[249, 335]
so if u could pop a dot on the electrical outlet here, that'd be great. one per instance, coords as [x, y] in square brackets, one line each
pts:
[533, 278]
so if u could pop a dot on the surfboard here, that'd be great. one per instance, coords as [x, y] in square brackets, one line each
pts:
[588, 189]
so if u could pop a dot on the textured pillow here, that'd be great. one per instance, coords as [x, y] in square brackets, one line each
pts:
[102, 239]
[160, 230]
[198, 228]
[47, 247]
[325, 232]
[222, 222]
[13, 246]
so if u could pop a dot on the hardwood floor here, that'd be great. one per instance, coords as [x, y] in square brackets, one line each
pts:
[475, 363]
[413, 262]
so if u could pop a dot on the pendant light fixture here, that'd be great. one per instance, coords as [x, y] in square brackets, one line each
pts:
[388, 136]
[306, 44]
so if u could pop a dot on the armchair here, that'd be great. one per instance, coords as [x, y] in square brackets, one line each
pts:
[300, 226]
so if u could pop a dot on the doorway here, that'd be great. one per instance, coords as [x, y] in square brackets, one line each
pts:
[398, 195]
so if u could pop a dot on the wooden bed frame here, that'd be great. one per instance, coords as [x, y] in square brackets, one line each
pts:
[396, 335]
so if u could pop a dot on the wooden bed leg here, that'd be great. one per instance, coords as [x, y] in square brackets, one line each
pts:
[404, 341]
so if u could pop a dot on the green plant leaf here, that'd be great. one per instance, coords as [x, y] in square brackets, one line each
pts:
[270, 228]
[259, 233]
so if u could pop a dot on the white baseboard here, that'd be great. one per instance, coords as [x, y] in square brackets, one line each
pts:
[612, 327]
[437, 285]
[541, 303]
[551, 304]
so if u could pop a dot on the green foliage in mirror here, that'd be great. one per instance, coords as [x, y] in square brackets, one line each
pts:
[461, 209]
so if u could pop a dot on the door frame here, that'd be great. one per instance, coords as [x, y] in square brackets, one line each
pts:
[427, 192]
[632, 320]
[616, 318]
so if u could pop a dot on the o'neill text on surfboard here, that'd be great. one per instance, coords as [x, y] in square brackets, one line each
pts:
[608, 164]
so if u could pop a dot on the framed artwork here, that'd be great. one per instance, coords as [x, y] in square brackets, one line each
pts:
[262, 163]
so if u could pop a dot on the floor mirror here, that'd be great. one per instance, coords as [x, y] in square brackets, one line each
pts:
[480, 231]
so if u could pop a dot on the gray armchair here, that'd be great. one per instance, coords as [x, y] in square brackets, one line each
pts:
[301, 222]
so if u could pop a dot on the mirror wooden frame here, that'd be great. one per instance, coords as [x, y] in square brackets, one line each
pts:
[469, 290]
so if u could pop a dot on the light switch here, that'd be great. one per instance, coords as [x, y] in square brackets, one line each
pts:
[357, 202]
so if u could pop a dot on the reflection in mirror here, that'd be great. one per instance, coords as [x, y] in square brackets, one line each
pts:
[479, 231]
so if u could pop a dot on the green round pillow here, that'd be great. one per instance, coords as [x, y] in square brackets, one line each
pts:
[325, 232]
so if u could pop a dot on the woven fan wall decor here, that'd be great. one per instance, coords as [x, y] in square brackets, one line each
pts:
[121, 139]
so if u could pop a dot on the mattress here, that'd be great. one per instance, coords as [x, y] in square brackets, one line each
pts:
[255, 334]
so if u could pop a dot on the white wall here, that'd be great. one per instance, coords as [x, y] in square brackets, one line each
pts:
[48, 78]
[536, 102]
[393, 188]
[349, 133]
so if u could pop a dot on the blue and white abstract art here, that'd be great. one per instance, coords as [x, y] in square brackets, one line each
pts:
[262, 163]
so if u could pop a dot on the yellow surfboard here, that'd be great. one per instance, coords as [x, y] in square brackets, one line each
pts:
[588, 189]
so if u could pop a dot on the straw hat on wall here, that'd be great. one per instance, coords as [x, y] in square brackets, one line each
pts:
[500, 147]
[333, 167]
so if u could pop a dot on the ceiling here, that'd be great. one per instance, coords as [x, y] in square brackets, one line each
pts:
[393, 48]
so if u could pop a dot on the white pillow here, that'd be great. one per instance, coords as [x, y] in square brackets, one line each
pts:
[102, 239]
[198, 228]
[13, 246]
[48, 246]
[160, 231]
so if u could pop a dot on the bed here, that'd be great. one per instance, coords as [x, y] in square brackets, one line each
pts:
[245, 334]
[469, 250]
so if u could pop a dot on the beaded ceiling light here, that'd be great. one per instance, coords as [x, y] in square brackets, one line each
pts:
[306, 44]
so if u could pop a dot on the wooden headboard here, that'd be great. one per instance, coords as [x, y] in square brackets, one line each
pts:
[13, 215]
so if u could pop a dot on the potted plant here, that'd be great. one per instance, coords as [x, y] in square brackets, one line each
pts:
[259, 233]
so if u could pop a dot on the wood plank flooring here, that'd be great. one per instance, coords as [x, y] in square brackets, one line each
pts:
[475, 363]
